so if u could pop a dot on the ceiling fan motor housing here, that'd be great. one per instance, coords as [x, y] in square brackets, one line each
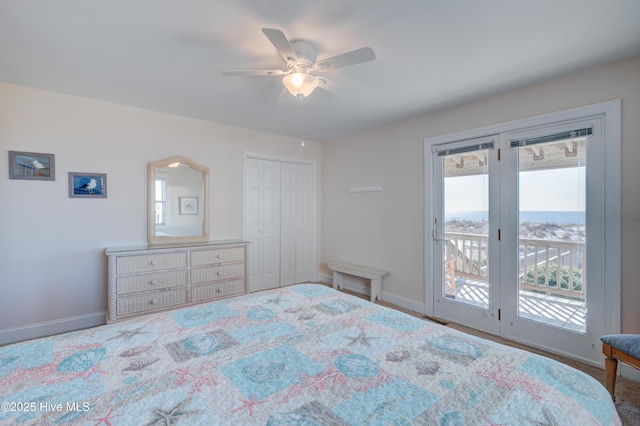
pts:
[306, 54]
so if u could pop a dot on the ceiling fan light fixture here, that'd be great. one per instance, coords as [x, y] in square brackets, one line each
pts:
[300, 84]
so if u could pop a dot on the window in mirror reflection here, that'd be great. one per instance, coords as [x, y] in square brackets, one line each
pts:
[161, 197]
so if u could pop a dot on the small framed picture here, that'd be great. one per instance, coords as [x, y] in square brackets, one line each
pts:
[31, 165]
[87, 185]
[188, 205]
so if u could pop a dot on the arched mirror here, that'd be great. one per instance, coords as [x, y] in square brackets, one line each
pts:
[177, 204]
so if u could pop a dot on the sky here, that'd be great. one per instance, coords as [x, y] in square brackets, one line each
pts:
[541, 190]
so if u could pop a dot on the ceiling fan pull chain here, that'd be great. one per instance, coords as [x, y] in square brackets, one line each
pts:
[301, 124]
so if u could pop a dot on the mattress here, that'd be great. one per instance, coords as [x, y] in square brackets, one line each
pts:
[298, 355]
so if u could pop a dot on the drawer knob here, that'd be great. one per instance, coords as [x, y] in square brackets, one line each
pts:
[153, 302]
[153, 282]
[218, 273]
[219, 256]
[154, 263]
[218, 291]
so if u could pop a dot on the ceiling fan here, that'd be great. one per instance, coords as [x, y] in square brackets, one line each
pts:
[300, 58]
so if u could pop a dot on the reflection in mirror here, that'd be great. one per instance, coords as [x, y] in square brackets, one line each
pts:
[177, 208]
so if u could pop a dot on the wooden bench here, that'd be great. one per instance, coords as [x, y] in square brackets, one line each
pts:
[375, 275]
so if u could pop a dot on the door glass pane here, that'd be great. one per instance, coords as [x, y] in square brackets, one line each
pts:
[552, 233]
[466, 212]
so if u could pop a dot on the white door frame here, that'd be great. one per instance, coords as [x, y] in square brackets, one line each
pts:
[312, 163]
[610, 111]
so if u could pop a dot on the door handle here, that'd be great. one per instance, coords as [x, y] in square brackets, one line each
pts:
[435, 234]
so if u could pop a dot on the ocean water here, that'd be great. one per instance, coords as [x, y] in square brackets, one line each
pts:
[557, 217]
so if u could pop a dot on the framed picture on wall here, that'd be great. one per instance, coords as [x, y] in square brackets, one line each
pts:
[87, 185]
[31, 165]
[188, 205]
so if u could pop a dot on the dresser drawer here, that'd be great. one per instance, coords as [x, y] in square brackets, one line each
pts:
[146, 282]
[215, 273]
[219, 255]
[204, 292]
[147, 302]
[150, 262]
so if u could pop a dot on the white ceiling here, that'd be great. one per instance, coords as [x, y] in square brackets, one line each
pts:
[166, 55]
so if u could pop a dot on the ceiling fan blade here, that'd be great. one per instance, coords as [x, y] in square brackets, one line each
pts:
[279, 40]
[334, 88]
[282, 95]
[354, 57]
[250, 73]
[328, 85]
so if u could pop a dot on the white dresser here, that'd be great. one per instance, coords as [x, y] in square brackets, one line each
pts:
[151, 278]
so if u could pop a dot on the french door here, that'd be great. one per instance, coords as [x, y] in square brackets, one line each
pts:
[464, 233]
[518, 235]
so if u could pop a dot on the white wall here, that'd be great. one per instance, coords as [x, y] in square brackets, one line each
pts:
[385, 229]
[53, 270]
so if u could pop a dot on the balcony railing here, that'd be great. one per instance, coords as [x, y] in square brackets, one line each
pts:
[470, 254]
[546, 266]
[553, 266]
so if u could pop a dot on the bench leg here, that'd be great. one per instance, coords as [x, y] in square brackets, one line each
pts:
[376, 289]
[611, 369]
[338, 280]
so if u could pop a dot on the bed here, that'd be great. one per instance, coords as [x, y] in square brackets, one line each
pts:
[300, 355]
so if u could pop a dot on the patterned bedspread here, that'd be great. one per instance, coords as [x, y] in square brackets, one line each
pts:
[301, 355]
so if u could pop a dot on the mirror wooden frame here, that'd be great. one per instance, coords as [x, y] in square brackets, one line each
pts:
[152, 238]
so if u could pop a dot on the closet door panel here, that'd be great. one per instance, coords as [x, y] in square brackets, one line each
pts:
[288, 221]
[271, 225]
[303, 213]
[253, 196]
[262, 217]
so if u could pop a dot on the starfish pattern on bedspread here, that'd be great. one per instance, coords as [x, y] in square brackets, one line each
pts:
[505, 377]
[128, 334]
[172, 415]
[361, 339]
[104, 419]
[250, 404]
[197, 377]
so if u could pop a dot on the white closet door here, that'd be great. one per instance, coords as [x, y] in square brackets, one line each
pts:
[303, 213]
[288, 230]
[296, 215]
[262, 223]
[271, 249]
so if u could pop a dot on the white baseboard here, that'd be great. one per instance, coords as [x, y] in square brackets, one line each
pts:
[48, 328]
[358, 287]
[403, 302]
[324, 278]
[629, 372]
